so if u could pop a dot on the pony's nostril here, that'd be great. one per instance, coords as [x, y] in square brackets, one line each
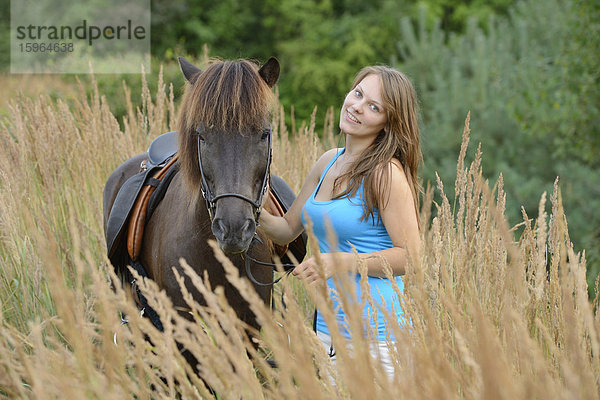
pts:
[248, 229]
[218, 228]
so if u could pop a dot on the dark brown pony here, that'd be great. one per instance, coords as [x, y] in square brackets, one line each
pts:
[225, 119]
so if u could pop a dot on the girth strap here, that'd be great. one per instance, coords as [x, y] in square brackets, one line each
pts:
[140, 299]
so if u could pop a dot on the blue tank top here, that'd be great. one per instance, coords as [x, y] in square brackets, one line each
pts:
[343, 215]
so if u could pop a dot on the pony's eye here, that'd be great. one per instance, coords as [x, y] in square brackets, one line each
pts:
[199, 132]
[265, 134]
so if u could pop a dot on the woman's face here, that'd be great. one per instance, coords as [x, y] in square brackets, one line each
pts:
[362, 113]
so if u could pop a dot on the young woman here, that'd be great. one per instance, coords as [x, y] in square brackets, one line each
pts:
[367, 192]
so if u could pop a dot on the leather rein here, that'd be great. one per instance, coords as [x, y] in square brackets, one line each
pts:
[211, 205]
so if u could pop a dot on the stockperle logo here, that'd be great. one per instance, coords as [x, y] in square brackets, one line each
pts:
[66, 36]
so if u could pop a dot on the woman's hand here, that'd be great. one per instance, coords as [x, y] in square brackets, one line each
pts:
[310, 272]
[314, 274]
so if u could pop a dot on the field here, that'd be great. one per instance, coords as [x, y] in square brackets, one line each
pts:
[493, 315]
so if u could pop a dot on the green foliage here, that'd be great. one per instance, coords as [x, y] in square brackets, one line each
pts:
[454, 14]
[233, 28]
[320, 43]
[572, 86]
[532, 104]
[330, 42]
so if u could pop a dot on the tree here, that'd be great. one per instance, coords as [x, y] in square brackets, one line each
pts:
[523, 88]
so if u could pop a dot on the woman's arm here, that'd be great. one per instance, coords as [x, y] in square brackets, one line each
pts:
[399, 217]
[283, 230]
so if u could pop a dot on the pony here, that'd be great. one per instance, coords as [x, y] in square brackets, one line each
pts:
[224, 155]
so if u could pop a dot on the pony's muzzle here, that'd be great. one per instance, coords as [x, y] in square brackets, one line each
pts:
[233, 237]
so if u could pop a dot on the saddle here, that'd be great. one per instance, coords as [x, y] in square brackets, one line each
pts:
[140, 195]
[137, 221]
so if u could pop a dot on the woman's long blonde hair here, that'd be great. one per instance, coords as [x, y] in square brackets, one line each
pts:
[399, 139]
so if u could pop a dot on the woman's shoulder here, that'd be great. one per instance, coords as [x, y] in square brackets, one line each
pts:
[322, 162]
[326, 158]
[391, 181]
[394, 170]
[393, 166]
[328, 155]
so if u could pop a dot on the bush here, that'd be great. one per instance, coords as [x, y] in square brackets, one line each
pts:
[532, 105]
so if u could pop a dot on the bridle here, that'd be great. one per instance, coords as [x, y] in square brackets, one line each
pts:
[211, 199]
[211, 205]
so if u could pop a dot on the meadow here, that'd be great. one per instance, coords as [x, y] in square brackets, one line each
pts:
[496, 311]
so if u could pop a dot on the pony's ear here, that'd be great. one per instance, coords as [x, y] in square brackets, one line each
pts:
[190, 71]
[270, 71]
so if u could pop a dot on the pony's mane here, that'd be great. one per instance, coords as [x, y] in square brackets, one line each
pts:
[226, 96]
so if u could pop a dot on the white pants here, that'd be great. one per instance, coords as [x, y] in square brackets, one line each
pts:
[378, 350]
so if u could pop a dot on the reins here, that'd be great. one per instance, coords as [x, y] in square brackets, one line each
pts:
[287, 266]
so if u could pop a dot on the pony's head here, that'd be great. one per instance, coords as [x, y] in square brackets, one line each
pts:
[224, 128]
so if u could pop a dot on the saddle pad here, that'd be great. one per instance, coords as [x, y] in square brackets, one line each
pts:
[137, 221]
[121, 210]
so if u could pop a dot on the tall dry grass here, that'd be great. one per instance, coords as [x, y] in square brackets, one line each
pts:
[491, 316]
